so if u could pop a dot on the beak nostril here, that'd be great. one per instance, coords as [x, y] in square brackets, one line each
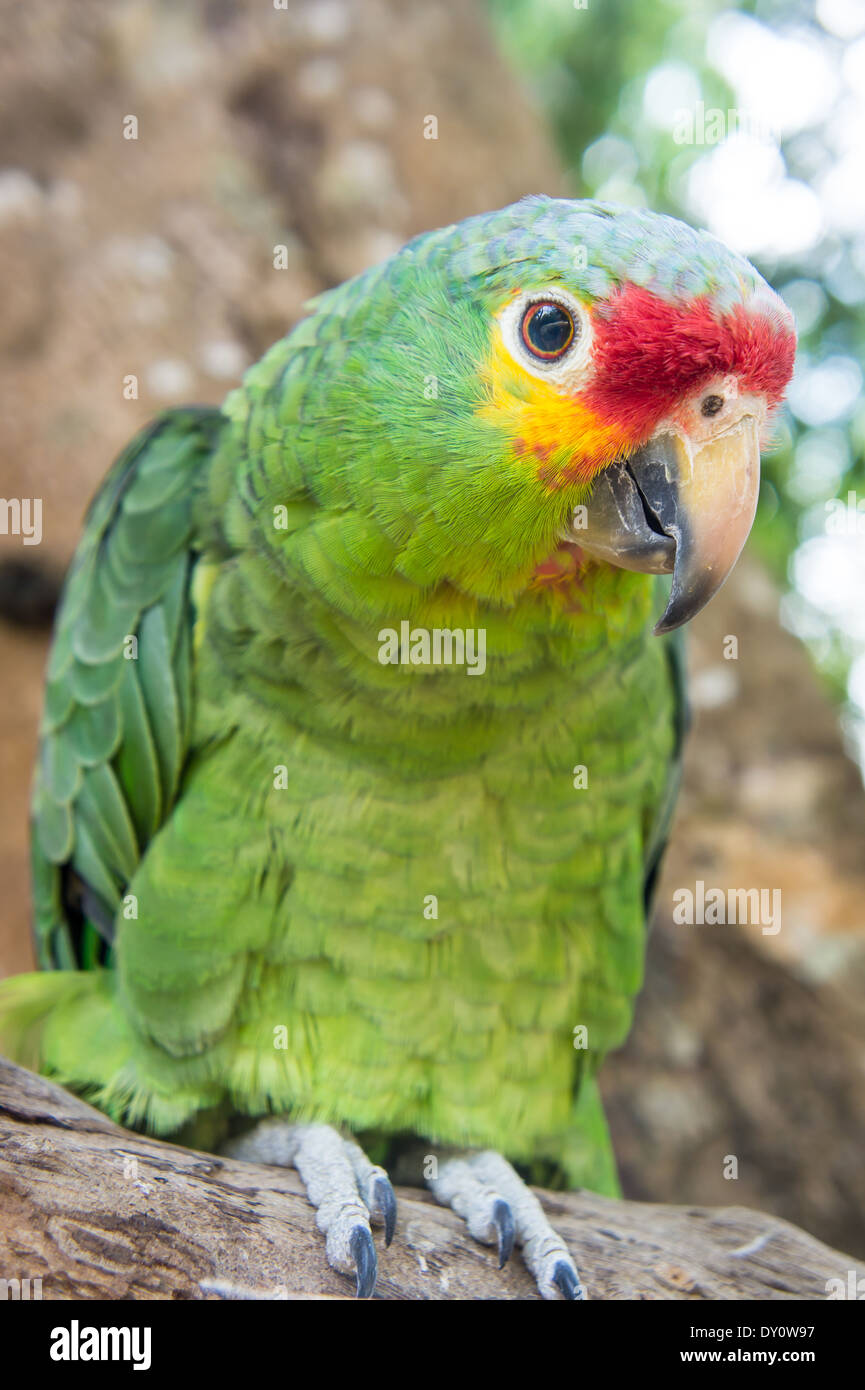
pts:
[712, 405]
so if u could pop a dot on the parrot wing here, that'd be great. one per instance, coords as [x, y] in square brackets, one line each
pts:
[115, 729]
[659, 830]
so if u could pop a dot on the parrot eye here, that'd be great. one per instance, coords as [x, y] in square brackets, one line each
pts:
[712, 404]
[547, 329]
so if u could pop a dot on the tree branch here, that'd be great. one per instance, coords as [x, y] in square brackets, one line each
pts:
[95, 1211]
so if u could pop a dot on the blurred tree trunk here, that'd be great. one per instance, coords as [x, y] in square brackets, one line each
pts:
[153, 258]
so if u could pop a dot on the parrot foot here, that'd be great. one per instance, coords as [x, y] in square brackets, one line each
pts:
[499, 1209]
[346, 1189]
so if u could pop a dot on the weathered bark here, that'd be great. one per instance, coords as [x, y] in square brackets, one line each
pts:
[95, 1211]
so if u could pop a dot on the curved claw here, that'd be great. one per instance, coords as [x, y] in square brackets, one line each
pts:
[384, 1205]
[366, 1266]
[503, 1220]
[567, 1282]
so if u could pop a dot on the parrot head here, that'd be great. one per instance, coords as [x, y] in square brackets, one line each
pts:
[645, 359]
[560, 373]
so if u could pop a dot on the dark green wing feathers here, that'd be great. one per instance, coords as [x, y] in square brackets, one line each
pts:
[662, 823]
[116, 721]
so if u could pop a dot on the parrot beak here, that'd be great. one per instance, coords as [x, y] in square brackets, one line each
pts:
[681, 507]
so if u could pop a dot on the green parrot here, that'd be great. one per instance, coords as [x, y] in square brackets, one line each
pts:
[362, 720]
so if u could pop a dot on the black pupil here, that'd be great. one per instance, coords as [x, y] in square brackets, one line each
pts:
[548, 328]
[712, 404]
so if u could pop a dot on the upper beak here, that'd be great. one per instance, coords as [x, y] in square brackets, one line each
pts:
[678, 507]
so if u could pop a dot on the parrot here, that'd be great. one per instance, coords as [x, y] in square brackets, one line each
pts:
[364, 714]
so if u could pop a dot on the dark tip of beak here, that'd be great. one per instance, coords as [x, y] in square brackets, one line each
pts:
[669, 621]
[691, 591]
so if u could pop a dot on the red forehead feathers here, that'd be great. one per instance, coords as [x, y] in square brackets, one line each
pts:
[648, 353]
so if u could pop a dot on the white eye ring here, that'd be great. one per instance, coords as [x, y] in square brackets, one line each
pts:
[570, 368]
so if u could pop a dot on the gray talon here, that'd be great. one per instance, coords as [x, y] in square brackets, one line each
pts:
[342, 1184]
[384, 1204]
[487, 1192]
[566, 1281]
[503, 1220]
[363, 1253]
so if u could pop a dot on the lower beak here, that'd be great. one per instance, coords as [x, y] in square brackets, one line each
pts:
[678, 507]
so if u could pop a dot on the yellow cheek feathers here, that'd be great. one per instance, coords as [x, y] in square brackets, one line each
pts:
[552, 432]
